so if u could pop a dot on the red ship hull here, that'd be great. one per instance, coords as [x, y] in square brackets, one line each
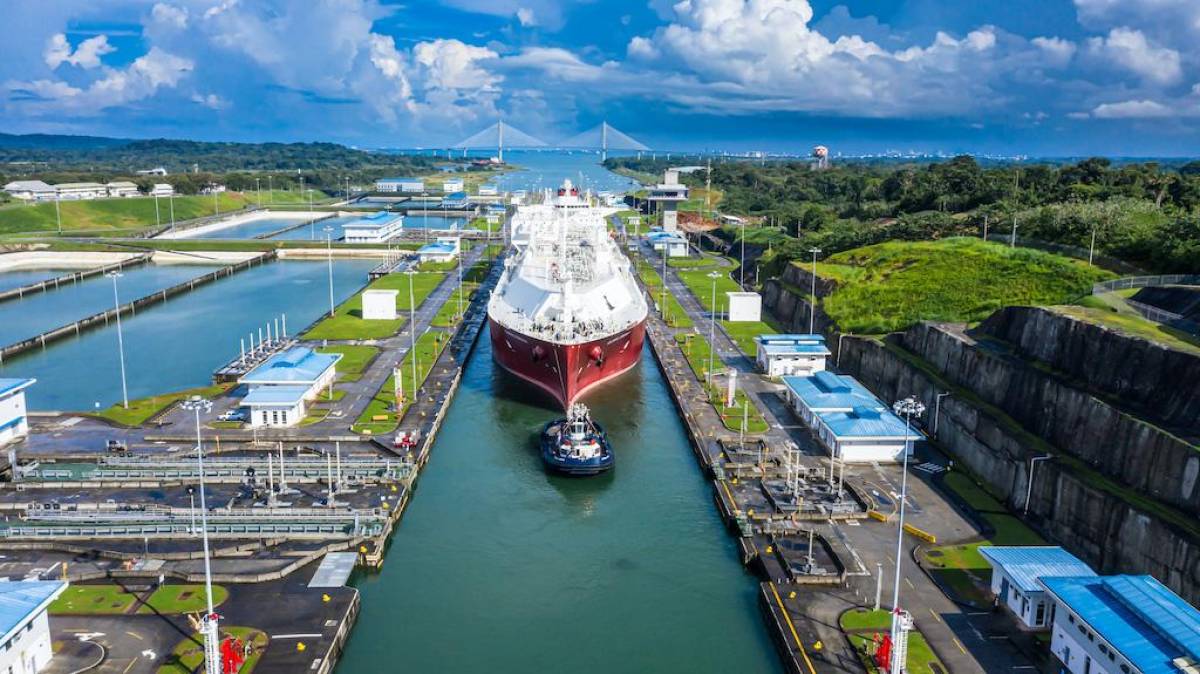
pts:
[566, 371]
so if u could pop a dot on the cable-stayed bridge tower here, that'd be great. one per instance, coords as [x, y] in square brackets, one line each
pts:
[604, 137]
[499, 136]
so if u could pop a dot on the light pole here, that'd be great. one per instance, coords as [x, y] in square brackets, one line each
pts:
[312, 221]
[412, 328]
[157, 217]
[271, 189]
[1012, 241]
[937, 410]
[58, 212]
[171, 201]
[1029, 489]
[329, 262]
[662, 308]
[742, 266]
[909, 407]
[258, 190]
[425, 214]
[460, 288]
[812, 306]
[712, 325]
[209, 624]
[114, 275]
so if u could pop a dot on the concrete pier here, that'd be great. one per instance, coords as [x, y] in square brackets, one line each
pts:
[74, 277]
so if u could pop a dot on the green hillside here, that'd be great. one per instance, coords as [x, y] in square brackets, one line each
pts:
[112, 216]
[890, 286]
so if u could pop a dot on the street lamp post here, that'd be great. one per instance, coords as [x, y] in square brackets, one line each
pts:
[157, 217]
[812, 306]
[937, 410]
[425, 214]
[909, 407]
[171, 202]
[209, 624]
[329, 260]
[712, 325]
[742, 266]
[412, 328]
[1029, 488]
[114, 275]
[258, 190]
[58, 212]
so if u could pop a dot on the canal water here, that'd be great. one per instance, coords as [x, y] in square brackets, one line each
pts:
[178, 344]
[254, 228]
[29, 316]
[23, 277]
[499, 567]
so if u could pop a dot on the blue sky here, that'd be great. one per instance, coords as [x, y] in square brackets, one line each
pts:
[1034, 77]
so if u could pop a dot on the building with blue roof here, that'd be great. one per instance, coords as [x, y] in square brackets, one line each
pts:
[488, 190]
[1016, 575]
[790, 355]
[847, 419]
[14, 419]
[26, 628]
[674, 243]
[456, 201]
[278, 390]
[1126, 624]
[377, 227]
[444, 249]
[409, 185]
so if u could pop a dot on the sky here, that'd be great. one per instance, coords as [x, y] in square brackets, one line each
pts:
[1019, 77]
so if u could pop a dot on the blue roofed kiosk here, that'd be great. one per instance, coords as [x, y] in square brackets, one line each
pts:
[1122, 625]
[847, 419]
[25, 645]
[1016, 571]
[279, 389]
[790, 355]
[14, 421]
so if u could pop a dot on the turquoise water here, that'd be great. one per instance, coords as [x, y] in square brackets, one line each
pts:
[178, 344]
[23, 277]
[541, 170]
[498, 567]
[316, 231]
[32, 315]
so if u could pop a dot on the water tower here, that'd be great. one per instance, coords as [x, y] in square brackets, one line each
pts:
[820, 156]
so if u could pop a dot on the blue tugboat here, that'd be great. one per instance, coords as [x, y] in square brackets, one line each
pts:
[576, 445]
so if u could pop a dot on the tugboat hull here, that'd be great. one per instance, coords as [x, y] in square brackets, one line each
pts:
[556, 462]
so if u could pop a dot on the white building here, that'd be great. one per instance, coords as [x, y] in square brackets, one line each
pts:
[25, 642]
[280, 387]
[673, 244]
[14, 420]
[374, 228]
[30, 190]
[452, 185]
[212, 188]
[400, 185]
[162, 190]
[847, 420]
[157, 171]
[744, 307]
[488, 190]
[1016, 571]
[379, 305]
[122, 188]
[444, 249]
[1121, 625]
[80, 191]
[790, 355]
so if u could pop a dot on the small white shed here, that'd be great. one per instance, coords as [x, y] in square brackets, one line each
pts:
[744, 307]
[379, 305]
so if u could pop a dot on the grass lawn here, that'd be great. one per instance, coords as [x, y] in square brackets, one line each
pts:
[890, 286]
[1094, 310]
[701, 285]
[447, 266]
[673, 313]
[697, 351]
[355, 359]
[114, 600]
[112, 216]
[862, 626]
[706, 262]
[347, 321]
[448, 315]
[743, 333]
[141, 409]
[182, 599]
[380, 415]
[961, 567]
[189, 654]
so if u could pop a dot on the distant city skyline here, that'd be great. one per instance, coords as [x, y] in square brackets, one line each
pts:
[1028, 77]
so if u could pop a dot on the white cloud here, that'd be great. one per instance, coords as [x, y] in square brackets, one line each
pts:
[526, 16]
[212, 101]
[1129, 49]
[169, 15]
[1174, 23]
[86, 55]
[154, 70]
[1058, 52]
[1142, 109]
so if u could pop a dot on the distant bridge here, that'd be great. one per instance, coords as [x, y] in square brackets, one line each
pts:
[603, 137]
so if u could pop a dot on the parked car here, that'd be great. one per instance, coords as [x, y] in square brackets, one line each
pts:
[116, 446]
[232, 415]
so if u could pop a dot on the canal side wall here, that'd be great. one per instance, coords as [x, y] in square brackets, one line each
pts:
[129, 308]
[74, 277]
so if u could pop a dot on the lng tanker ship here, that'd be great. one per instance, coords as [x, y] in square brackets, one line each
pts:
[567, 313]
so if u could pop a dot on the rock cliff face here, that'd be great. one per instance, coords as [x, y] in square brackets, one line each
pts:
[1073, 507]
[787, 298]
[1122, 492]
[1157, 383]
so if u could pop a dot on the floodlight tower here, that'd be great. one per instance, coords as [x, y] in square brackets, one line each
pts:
[209, 623]
[902, 622]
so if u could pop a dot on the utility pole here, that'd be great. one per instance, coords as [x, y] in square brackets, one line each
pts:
[812, 307]
[901, 621]
[1012, 241]
[209, 623]
[329, 260]
[114, 275]
[1029, 488]
[712, 325]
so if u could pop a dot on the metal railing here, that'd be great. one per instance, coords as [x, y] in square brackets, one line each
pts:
[1150, 312]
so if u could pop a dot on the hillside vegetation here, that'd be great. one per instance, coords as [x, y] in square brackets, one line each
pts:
[890, 286]
[114, 216]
